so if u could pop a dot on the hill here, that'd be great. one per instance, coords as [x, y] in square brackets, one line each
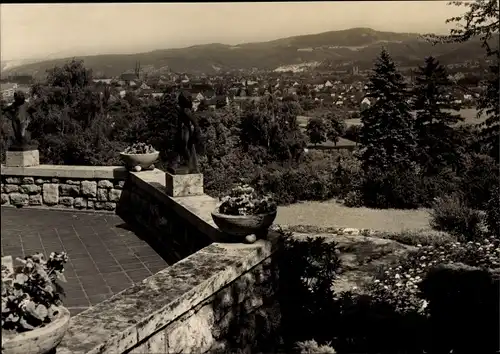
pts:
[356, 46]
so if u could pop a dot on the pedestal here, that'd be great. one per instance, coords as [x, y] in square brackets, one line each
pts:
[183, 185]
[22, 158]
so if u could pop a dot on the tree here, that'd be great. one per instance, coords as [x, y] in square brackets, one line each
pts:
[316, 130]
[336, 128]
[482, 19]
[387, 136]
[433, 125]
[272, 125]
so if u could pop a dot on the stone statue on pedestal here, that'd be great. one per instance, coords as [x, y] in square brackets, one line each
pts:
[187, 136]
[19, 113]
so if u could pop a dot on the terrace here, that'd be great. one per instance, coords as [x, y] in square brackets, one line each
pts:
[143, 266]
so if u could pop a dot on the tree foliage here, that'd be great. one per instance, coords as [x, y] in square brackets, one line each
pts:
[482, 20]
[387, 135]
[437, 147]
[316, 130]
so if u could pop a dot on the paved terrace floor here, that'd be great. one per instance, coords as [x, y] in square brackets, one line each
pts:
[104, 256]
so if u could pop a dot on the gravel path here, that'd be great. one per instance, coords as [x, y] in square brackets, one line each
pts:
[333, 214]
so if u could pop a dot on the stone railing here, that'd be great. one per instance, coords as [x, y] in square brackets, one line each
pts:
[73, 187]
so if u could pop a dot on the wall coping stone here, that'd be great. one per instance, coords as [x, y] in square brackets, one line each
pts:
[65, 171]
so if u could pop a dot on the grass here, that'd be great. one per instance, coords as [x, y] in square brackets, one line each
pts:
[333, 214]
[469, 114]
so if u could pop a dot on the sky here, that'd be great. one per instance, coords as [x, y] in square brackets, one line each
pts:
[38, 31]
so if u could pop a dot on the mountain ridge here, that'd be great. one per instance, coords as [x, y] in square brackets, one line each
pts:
[356, 46]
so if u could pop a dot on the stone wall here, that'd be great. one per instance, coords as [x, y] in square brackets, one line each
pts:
[75, 187]
[153, 215]
[242, 317]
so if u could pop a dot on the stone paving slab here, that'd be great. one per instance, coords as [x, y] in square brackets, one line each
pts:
[104, 256]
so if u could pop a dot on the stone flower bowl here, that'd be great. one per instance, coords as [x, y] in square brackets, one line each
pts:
[143, 160]
[39, 340]
[240, 226]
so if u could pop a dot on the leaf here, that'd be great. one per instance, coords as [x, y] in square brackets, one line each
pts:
[21, 279]
[25, 324]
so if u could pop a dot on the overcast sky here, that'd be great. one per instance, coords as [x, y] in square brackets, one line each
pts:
[60, 30]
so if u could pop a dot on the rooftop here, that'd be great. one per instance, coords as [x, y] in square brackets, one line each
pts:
[104, 256]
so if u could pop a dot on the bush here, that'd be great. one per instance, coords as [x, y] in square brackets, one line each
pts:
[463, 308]
[451, 214]
[493, 212]
[391, 189]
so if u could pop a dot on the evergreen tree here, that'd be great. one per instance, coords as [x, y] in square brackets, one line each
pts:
[435, 135]
[482, 20]
[387, 135]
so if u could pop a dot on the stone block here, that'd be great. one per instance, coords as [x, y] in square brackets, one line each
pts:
[119, 184]
[90, 204]
[19, 199]
[11, 188]
[55, 180]
[184, 185]
[5, 199]
[98, 205]
[30, 189]
[114, 195]
[22, 158]
[66, 201]
[13, 180]
[193, 335]
[80, 203]
[28, 180]
[35, 199]
[41, 181]
[102, 195]
[104, 184]
[50, 192]
[69, 190]
[89, 189]
[73, 182]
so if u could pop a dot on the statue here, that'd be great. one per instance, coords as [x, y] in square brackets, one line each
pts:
[187, 136]
[19, 112]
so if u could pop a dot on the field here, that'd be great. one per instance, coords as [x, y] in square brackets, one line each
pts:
[469, 114]
[333, 214]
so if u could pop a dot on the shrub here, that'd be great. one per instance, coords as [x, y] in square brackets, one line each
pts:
[450, 214]
[307, 271]
[392, 188]
[30, 293]
[493, 212]
[312, 347]
[463, 308]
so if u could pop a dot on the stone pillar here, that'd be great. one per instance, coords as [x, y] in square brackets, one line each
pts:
[183, 185]
[25, 157]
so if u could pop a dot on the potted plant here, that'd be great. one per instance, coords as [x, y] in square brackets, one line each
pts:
[33, 318]
[139, 156]
[243, 214]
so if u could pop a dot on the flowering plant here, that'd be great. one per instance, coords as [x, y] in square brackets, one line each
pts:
[399, 284]
[139, 148]
[30, 293]
[243, 200]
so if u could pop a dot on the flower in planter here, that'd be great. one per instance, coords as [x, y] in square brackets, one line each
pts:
[31, 295]
[139, 148]
[243, 200]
